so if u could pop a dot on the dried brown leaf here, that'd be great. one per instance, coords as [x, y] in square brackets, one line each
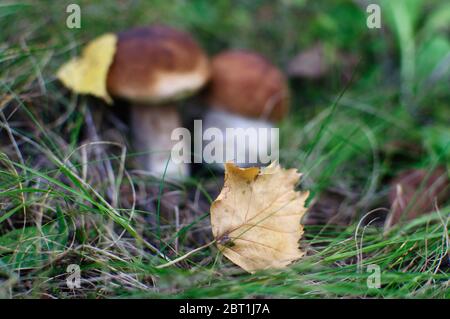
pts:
[417, 192]
[256, 217]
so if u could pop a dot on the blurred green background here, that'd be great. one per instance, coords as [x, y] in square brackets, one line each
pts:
[379, 106]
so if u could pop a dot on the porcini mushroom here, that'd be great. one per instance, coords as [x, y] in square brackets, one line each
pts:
[246, 91]
[154, 67]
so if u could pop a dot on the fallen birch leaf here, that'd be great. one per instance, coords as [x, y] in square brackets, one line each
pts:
[87, 74]
[256, 217]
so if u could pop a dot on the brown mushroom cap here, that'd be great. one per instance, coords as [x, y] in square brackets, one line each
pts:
[247, 84]
[156, 64]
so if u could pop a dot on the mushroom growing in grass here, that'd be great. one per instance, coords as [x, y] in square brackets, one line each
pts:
[152, 68]
[246, 92]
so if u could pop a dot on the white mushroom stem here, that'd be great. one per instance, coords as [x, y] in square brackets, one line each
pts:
[152, 129]
[252, 142]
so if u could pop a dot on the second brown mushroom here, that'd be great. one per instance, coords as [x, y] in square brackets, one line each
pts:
[246, 91]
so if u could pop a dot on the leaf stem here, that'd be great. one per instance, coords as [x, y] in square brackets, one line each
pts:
[173, 262]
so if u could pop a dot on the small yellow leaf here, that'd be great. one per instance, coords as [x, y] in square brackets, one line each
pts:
[87, 74]
[256, 217]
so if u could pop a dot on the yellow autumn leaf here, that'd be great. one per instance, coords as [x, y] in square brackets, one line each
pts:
[256, 217]
[87, 74]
